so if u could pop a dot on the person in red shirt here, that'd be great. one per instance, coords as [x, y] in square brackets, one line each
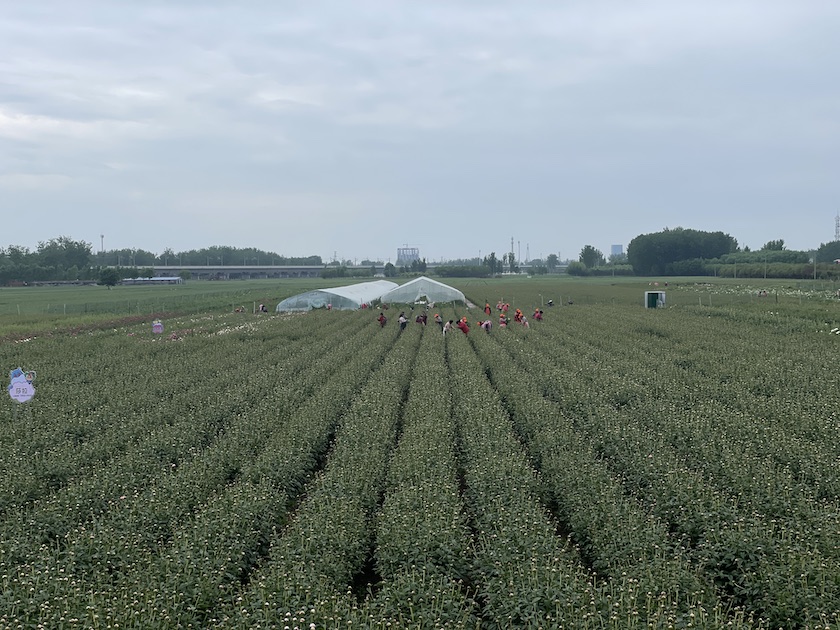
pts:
[462, 324]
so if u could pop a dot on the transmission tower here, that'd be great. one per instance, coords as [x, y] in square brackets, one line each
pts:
[837, 227]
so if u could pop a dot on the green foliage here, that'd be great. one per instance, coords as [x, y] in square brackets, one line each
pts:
[576, 268]
[110, 276]
[492, 263]
[608, 467]
[591, 257]
[828, 252]
[63, 258]
[777, 245]
[63, 252]
[767, 255]
[650, 254]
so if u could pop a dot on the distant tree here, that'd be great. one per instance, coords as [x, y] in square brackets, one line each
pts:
[591, 257]
[829, 252]
[511, 263]
[577, 268]
[777, 245]
[390, 270]
[143, 258]
[63, 253]
[492, 263]
[109, 276]
[146, 272]
[552, 262]
[166, 255]
[185, 274]
[651, 254]
[17, 254]
[72, 273]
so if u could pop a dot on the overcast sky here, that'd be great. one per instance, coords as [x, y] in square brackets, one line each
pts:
[356, 127]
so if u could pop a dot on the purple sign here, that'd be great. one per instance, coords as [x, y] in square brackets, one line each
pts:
[20, 388]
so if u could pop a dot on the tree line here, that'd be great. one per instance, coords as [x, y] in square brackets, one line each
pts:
[63, 258]
[670, 252]
[686, 252]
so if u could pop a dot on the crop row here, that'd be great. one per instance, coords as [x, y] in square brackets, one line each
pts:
[314, 562]
[111, 400]
[117, 546]
[322, 470]
[761, 562]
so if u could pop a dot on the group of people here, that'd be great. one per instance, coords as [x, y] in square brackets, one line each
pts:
[451, 325]
[486, 324]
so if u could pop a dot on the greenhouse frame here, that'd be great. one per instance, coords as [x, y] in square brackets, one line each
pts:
[423, 289]
[344, 298]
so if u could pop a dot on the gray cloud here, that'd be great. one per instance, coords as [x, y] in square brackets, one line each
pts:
[356, 127]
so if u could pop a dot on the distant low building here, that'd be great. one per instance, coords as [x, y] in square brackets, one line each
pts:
[407, 255]
[157, 280]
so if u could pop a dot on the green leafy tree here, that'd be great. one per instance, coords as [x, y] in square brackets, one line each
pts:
[16, 254]
[552, 262]
[417, 266]
[63, 252]
[167, 256]
[390, 270]
[110, 276]
[829, 252]
[591, 257]
[652, 254]
[492, 263]
[576, 268]
[511, 263]
[777, 245]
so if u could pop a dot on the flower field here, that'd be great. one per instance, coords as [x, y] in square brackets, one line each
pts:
[608, 467]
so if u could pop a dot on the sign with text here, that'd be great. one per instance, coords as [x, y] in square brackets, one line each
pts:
[20, 388]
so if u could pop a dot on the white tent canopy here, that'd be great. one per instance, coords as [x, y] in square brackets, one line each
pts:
[343, 298]
[423, 288]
